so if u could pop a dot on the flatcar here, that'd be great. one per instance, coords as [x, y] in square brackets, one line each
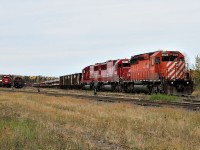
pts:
[48, 84]
[51, 83]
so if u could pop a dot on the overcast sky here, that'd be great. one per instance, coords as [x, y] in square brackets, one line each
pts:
[59, 37]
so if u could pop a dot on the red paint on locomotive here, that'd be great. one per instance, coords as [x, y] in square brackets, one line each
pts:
[110, 71]
[157, 65]
[6, 81]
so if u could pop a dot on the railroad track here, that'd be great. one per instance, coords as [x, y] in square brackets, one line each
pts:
[191, 104]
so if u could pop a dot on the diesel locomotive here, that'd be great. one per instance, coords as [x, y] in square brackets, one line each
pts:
[160, 71]
[18, 82]
[6, 81]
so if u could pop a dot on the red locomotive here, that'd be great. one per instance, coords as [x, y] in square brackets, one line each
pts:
[106, 75]
[6, 81]
[161, 71]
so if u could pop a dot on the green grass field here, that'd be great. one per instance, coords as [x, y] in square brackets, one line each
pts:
[32, 121]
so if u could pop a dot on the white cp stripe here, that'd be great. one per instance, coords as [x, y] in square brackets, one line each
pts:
[169, 63]
[172, 66]
[180, 73]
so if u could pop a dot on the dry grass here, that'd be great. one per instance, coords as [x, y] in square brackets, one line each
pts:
[29, 121]
[196, 93]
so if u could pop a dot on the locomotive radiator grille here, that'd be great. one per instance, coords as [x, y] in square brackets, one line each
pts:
[175, 70]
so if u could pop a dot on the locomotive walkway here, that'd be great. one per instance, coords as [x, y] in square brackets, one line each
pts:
[189, 103]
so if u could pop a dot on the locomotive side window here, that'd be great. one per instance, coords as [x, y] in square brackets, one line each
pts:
[165, 56]
[104, 67]
[134, 61]
[95, 68]
[157, 60]
[126, 65]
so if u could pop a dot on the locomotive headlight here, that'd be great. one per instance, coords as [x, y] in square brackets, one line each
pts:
[172, 82]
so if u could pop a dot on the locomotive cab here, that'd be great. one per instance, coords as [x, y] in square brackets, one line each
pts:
[171, 70]
[122, 68]
[169, 65]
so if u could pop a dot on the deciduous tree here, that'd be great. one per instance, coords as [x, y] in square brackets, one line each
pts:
[197, 71]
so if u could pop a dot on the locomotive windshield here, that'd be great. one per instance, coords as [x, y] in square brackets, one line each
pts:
[165, 58]
[172, 57]
[169, 58]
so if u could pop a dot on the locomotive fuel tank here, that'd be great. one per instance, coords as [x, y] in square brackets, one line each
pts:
[141, 89]
[107, 87]
[87, 87]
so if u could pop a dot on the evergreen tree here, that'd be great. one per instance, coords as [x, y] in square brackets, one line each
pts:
[197, 71]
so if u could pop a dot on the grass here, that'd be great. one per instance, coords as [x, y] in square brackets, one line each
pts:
[163, 97]
[196, 92]
[31, 121]
[18, 132]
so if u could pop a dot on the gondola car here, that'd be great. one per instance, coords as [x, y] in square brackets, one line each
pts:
[71, 81]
